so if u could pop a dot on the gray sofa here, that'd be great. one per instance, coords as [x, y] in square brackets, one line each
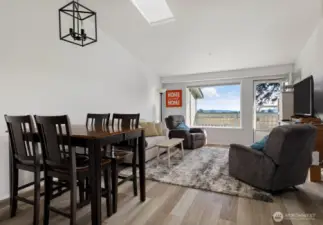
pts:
[151, 149]
[194, 138]
[283, 163]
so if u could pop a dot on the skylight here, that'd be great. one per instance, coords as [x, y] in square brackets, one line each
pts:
[154, 11]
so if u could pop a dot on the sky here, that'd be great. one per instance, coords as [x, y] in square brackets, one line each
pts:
[224, 97]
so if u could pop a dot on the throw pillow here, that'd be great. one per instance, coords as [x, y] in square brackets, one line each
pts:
[150, 129]
[260, 145]
[159, 128]
[182, 126]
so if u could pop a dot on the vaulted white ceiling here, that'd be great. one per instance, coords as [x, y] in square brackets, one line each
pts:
[212, 35]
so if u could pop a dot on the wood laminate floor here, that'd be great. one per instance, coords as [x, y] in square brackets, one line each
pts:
[175, 205]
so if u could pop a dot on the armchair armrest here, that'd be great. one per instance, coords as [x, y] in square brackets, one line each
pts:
[178, 134]
[197, 130]
[237, 147]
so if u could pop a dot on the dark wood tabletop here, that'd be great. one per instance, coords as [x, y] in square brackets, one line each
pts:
[81, 131]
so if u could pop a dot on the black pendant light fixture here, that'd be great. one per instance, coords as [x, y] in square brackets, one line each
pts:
[77, 24]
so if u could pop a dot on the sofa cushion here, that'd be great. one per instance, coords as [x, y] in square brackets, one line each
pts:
[152, 141]
[160, 129]
[150, 129]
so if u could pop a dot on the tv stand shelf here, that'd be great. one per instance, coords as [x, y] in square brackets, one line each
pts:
[311, 120]
[315, 170]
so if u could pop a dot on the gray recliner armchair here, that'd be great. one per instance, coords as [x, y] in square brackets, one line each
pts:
[283, 163]
[194, 138]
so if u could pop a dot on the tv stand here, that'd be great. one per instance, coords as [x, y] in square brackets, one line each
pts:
[304, 119]
[315, 170]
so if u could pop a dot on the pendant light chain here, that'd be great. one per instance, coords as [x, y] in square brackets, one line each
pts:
[79, 16]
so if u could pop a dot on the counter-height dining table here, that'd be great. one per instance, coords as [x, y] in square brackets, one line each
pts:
[94, 139]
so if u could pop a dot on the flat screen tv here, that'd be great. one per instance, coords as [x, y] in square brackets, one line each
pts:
[304, 98]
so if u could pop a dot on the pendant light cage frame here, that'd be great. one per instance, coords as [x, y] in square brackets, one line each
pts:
[78, 13]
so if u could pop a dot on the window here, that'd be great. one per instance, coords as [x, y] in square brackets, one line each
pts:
[217, 105]
[154, 11]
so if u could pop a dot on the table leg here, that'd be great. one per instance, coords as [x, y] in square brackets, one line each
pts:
[158, 149]
[182, 149]
[13, 175]
[142, 172]
[95, 181]
[114, 183]
[168, 156]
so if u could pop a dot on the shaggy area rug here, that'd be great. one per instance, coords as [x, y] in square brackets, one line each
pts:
[206, 169]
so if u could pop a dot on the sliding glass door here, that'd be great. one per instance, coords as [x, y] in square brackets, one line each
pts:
[266, 106]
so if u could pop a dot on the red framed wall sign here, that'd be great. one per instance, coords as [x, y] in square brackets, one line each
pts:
[173, 98]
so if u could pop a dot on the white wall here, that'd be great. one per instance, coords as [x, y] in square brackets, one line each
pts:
[310, 62]
[246, 77]
[42, 75]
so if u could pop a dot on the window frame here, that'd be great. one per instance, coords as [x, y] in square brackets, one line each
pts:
[240, 83]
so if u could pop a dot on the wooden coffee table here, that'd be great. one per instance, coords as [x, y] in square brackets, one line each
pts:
[169, 144]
